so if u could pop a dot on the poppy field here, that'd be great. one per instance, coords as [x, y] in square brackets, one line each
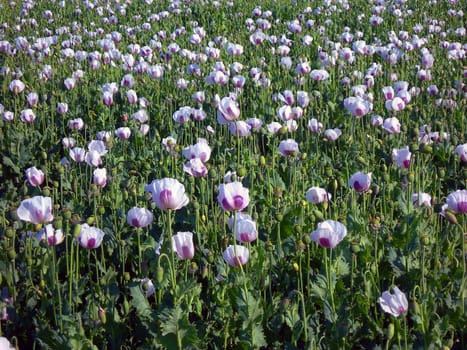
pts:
[223, 174]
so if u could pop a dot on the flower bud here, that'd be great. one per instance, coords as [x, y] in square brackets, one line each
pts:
[102, 316]
[9, 232]
[296, 267]
[11, 254]
[426, 148]
[91, 220]
[77, 230]
[160, 274]
[451, 217]
[390, 331]
[262, 161]
[318, 215]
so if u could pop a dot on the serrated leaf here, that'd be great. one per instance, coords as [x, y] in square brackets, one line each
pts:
[257, 336]
[139, 300]
[8, 162]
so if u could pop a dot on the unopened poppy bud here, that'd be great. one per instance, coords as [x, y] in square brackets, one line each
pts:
[441, 172]
[262, 161]
[126, 276]
[414, 147]
[335, 184]
[204, 272]
[91, 220]
[160, 274]
[390, 331]
[37, 227]
[295, 266]
[102, 316]
[126, 306]
[451, 217]
[44, 155]
[77, 230]
[203, 218]
[283, 130]
[55, 184]
[279, 217]
[304, 155]
[426, 148]
[325, 205]
[416, 308]
[318, 215]
[411, 176]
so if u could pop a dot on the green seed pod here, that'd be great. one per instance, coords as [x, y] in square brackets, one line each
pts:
[212, 173]
[356, 248]
[58, 223]
[44, 155]
[91, 220]
[441, 172]
[262, 161]
[11, 254]
[46, 191]
[414, 147]
[160, 274]
[241, 172]
[9, 232]
[411, 176]
[66, 214]
[101, 210]
[42, 284]
[76, 230]
[390, 331]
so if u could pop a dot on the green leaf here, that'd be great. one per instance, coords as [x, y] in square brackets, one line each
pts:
[139, 300]
[8, 162]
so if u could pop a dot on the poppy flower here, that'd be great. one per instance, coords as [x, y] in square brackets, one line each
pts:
[236, 256]
[233, 196]
[360, 182]
[139, 217]
[394, 303]
[182, 244]
[90, 237]
[37, 210]
[329, 233]
[168, 193]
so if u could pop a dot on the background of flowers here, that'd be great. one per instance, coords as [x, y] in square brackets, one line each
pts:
[312, 119]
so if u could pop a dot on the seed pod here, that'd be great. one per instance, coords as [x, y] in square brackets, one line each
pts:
[9, 232]
[296, 267]
[58, 223]
[262, 161]
[46, 191]
[426, 148]
[91, 220]
[241, 172]
[11, 254]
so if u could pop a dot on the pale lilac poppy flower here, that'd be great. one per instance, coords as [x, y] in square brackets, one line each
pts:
[77, 154]
[5, 344]
[317, 195]
[360, 182]
[457, 201]
[376, 120]
[99, 177]
[199, 150]
[315, 126]
[233, 196]
[182, 244]
[148, 286]
[93, 158]
[76, 124]
[461, 150]
[332, 134]
[228, 110]
[16, 86]
[32, 99]
[274, 127]
[8, 116]
[35, 176]
[90, 237]
[288, 148]
[422, 199]
[254, 123]
[62, 108]
[236, 256]
[139, 217]
[131, 96]
[68, 142]
[240, 128]
[123, 133]
[27, 116]
[284, 113]
[169, 143]
[401, 157]
[195, 167]
[394, 303]
[329, 233]
[51, 235]
[37, 210]
[140, 116]
[392, 125]
[167, 193]
[319, 75]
